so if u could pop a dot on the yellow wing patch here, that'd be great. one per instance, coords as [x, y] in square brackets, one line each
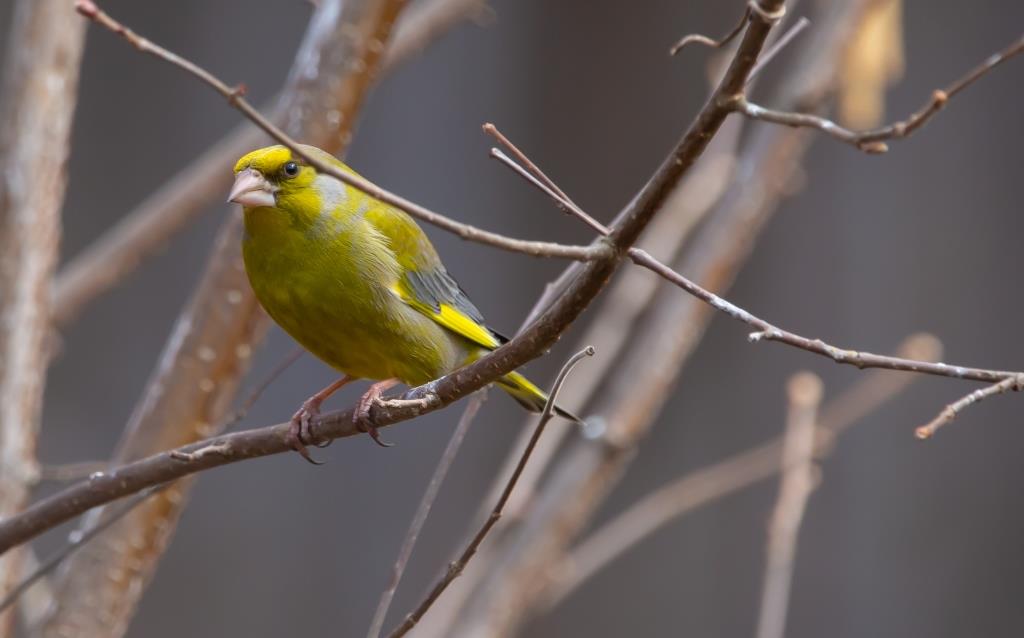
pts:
[452, 319]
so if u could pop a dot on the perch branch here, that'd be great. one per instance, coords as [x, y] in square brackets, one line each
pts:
[873, 141]
[455, 567]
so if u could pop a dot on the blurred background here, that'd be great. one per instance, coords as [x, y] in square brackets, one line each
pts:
[902, 538]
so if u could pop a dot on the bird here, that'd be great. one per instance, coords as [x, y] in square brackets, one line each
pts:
[356, 282]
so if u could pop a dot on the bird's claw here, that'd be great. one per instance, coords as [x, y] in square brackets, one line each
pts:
[361, 417]
[299, 433]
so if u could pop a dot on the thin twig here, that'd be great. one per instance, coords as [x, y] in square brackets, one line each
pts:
[75, 541]
[873, 141]
[769, 332]
[455, 567]
[950, 412]
[706, 485]
[540, 180]
[423, 510]
[235, 98]
[697, 38]
[804, 390]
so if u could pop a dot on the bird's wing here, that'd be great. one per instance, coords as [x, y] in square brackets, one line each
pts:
[425, 284]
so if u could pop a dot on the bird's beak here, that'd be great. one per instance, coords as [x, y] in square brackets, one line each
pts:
[252, 190]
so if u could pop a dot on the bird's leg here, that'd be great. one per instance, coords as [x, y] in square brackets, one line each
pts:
[298, 432]
[361, 417]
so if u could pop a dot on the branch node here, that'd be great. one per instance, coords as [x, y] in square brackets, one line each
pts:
[697, 38]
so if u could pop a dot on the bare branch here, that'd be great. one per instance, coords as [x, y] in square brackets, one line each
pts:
[769, 332]
[873, 141]
[950, 412]
[39, 92]
[423, 510]
[455, 568]
[798, 481]
[173, 206]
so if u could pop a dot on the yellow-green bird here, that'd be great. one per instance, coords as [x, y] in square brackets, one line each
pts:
[356, 282]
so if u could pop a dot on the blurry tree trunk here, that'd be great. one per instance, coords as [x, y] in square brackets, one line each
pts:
[210, 348]
[36, 107]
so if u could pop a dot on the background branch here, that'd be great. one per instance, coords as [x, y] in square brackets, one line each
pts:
[211, 347]
[804, 391]
[37, 102]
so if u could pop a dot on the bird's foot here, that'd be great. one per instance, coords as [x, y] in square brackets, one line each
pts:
[361, 416]
[299, 433]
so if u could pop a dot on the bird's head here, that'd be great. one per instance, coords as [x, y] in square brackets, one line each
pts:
[266, 176]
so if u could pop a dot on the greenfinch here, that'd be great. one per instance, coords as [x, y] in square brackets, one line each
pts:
[356, 282]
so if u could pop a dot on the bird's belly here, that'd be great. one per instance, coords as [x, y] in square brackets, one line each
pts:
[361, 332]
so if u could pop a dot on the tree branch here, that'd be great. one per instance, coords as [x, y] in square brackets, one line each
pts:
[39, 92]
[798, 481]
[873, 141]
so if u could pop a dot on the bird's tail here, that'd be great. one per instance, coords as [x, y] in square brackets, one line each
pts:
[530, 396]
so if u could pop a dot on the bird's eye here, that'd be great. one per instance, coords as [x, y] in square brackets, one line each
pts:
[291, 169]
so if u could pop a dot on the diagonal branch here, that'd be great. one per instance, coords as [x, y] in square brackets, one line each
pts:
[873, 141]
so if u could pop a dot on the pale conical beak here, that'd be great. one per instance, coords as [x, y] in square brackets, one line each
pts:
[252, 190]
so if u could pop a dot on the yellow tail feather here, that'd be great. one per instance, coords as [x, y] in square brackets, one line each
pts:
[530, 396]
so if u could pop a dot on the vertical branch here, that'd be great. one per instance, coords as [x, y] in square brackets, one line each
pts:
[804, 390]
[210, 348]
[36, 107]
